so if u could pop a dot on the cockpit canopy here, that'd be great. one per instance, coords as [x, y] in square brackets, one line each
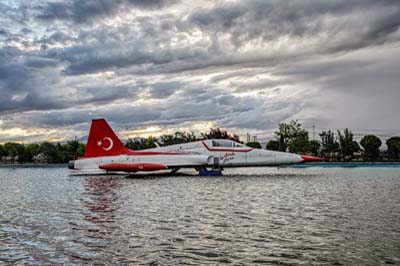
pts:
[226, 143]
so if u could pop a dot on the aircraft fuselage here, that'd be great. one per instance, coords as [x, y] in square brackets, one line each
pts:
[233, 154]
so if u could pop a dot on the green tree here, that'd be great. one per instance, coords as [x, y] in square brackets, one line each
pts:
[346, 144]
[313, 146]
[182, 137]
[2, 153]
[141, 143]
[51, 152]
[15, 149]
[10, 149]
[217, 133]
[356, 147]
[371, 144]
[328, 143]
[65, 153]
[190, 137]
[136, 144]
[81, 149]
[72, 147]
[299, 143]
[254, 144]
[150, 142]
[176, 138]
[167, 139]
[273, 145]
[393, 145]
[291, 135]
[30, 151]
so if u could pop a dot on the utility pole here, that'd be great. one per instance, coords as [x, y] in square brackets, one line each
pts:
[313, 132]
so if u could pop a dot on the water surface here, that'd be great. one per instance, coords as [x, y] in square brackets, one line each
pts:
[252, 216]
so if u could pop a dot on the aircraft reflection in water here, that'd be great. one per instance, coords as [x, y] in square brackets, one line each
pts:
[98, 227]
[105, 153]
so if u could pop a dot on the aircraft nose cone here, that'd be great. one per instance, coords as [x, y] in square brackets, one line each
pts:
[71, 164]
[308, 159]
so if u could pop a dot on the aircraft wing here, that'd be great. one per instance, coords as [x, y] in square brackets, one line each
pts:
[165, 162]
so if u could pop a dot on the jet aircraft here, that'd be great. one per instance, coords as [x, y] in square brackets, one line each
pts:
[106, 153]
[228, 153]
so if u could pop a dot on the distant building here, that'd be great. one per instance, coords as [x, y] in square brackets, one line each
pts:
[40, 158]
[9, 159]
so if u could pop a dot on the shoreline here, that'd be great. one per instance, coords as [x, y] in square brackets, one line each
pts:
[347, 164]
[32, 165]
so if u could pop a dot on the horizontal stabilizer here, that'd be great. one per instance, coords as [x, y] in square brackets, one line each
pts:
[132, 167]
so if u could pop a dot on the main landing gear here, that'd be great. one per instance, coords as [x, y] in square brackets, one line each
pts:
[216, 170]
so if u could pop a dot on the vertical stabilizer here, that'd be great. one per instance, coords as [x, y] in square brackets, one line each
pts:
[103, 141]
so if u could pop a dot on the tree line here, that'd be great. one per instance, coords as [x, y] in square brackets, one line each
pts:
[45, 152]
[290, 137]
[342, 147]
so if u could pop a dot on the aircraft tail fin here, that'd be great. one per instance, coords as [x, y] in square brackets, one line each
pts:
[102, 140]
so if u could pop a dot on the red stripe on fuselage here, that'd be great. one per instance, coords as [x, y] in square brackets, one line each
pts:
[224, 150]
[132, 167]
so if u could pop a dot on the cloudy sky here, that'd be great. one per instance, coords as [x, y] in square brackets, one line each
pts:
[155, 66]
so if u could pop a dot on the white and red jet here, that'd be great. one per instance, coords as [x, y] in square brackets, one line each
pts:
[105, 153]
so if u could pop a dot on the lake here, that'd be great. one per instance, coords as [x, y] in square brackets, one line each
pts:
[249, 216]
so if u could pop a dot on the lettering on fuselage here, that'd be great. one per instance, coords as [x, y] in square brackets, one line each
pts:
[229, 156]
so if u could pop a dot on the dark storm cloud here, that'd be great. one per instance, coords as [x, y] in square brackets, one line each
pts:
[165, 89]
[109, 48]
[104, 94]
[269, 20]
[150, 4]
[385, 26]
[55, 38]
[264, 84]
[13, 76]
[88, 59]
[3, 32]
[84, 11]
[244, 22]
[41, 63]
[29, 82]
[18, 14]
[24, 81]
[78, 11]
